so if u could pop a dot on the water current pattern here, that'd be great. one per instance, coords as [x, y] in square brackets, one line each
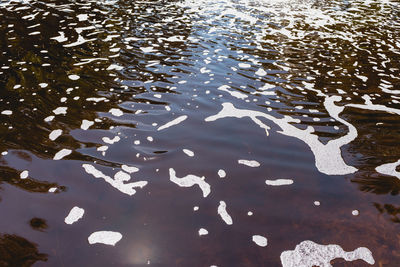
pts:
[200, 133]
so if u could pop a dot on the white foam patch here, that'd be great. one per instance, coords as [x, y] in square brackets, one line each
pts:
[203, 231]
[389, 169]
[96, 99]
[328, 158]
[129, 169]
[60, 110]
[244, 65]
[62, 153]
[61, 38]
[55, 134]
[74, 215]
[49, 118]
[158, 96]
[6, 112]
[308, 253]
[260, 240]
[261, 72]
[73, 77]
[102, 148]
[86, 124]
[82, 17]
[78, 42]
[393, 92]
[370, 106]
[105, 237]
[111, 141]
[221, 173]
[224, 214]
[189, 181]
[176, 38]
[250, 163]
[126, 188]
[172, 123]
[24, 174]
[52, 189]
[147, 49]
[264, 93]
[236, 94]
[188, 152]
[115, 67]
[279, 182]
[122, 176]
[204, 70]
[267, 86]
[116, 112]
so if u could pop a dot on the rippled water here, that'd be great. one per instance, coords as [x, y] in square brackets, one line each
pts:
[199, 133]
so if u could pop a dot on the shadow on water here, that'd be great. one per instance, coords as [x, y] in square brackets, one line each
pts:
[17, 251]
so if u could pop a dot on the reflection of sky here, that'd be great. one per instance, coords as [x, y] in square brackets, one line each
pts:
[140, 252]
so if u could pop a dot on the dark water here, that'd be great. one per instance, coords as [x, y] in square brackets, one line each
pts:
[311, 92]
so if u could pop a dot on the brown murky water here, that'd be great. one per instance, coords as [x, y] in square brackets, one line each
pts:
[289, 110]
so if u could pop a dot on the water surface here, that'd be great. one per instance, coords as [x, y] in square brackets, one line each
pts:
[106, 105]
